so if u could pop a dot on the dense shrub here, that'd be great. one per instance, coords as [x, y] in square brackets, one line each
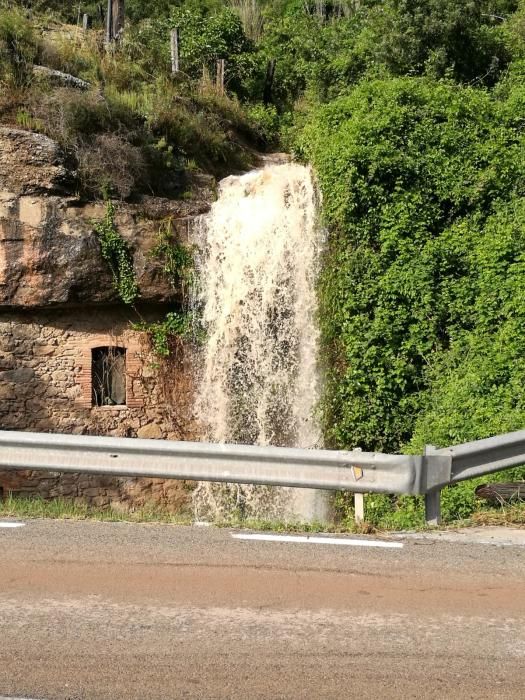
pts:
[477, 386]
[110, 166]
[419, 184]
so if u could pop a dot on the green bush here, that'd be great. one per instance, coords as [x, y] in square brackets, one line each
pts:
[205, 38]
[265, 122]
[411, 173]
[458, 503]
[176, 259]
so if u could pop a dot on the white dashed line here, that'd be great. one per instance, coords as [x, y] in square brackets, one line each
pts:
[11, 525]
[304, 539]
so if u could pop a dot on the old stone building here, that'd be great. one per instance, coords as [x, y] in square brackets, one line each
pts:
[70, 358]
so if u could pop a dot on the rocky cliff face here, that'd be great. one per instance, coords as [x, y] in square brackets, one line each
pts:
[49, 253]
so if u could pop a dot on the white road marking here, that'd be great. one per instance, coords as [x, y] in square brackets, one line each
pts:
[320, 540]
[9, 525]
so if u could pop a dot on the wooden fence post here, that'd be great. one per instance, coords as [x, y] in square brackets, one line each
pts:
[268, 81]
[221, 63]
[175, 51]
[118, 17]
[359, 507]
[109, 23]
[115, 20]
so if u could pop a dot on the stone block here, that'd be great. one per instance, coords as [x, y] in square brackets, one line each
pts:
[43, 350]
[150, 431]
[120, 506]
[31, 211]
[21, 375]
[7, 361]
[8, 391]
[100, 501]
[93, 492]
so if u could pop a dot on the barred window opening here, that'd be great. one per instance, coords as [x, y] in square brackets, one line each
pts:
[108, 374]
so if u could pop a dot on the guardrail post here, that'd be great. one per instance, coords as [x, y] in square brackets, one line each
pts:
[433, 507]
[359, 507]
[432, 498]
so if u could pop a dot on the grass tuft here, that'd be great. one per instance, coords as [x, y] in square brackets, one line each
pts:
[69, 509]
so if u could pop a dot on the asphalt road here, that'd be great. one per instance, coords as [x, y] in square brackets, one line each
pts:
[116, 611]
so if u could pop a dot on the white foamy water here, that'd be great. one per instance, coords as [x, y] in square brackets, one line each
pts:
[259, 257]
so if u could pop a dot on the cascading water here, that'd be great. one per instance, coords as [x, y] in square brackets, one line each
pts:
[259, 255]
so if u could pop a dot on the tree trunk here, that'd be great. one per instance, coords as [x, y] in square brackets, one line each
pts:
[502, 493]
[268, 82]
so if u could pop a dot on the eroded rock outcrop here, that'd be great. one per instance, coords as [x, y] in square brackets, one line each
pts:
[32, 163]
[49, 252]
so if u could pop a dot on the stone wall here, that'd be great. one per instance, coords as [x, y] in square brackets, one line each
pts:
[58, 302]
[45, 385]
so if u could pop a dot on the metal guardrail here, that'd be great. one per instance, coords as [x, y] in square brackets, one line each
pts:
[356, 471]
[481, 457]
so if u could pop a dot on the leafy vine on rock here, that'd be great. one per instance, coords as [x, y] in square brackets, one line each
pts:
[117, 254]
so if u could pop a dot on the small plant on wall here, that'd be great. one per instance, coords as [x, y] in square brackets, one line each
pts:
[176, 325]
[179, 267]
[176, 258]
[117, 254]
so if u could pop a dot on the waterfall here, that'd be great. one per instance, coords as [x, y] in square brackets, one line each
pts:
[257, 265]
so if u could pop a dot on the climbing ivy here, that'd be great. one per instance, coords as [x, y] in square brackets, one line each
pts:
[162, 333]
[117, 254]
[178, 265]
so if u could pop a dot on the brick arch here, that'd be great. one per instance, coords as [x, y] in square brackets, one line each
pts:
[134, 392]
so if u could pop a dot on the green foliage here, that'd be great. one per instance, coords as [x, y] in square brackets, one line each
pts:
[177, 259]
[178, 265]
[412, 173]
[67, 508]
[205, 38]
[322, 55]
[117, 254]
[18, 49]
[175, 326]
[459, 38]
[265, 122]
[476, 386]
[458, 502]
